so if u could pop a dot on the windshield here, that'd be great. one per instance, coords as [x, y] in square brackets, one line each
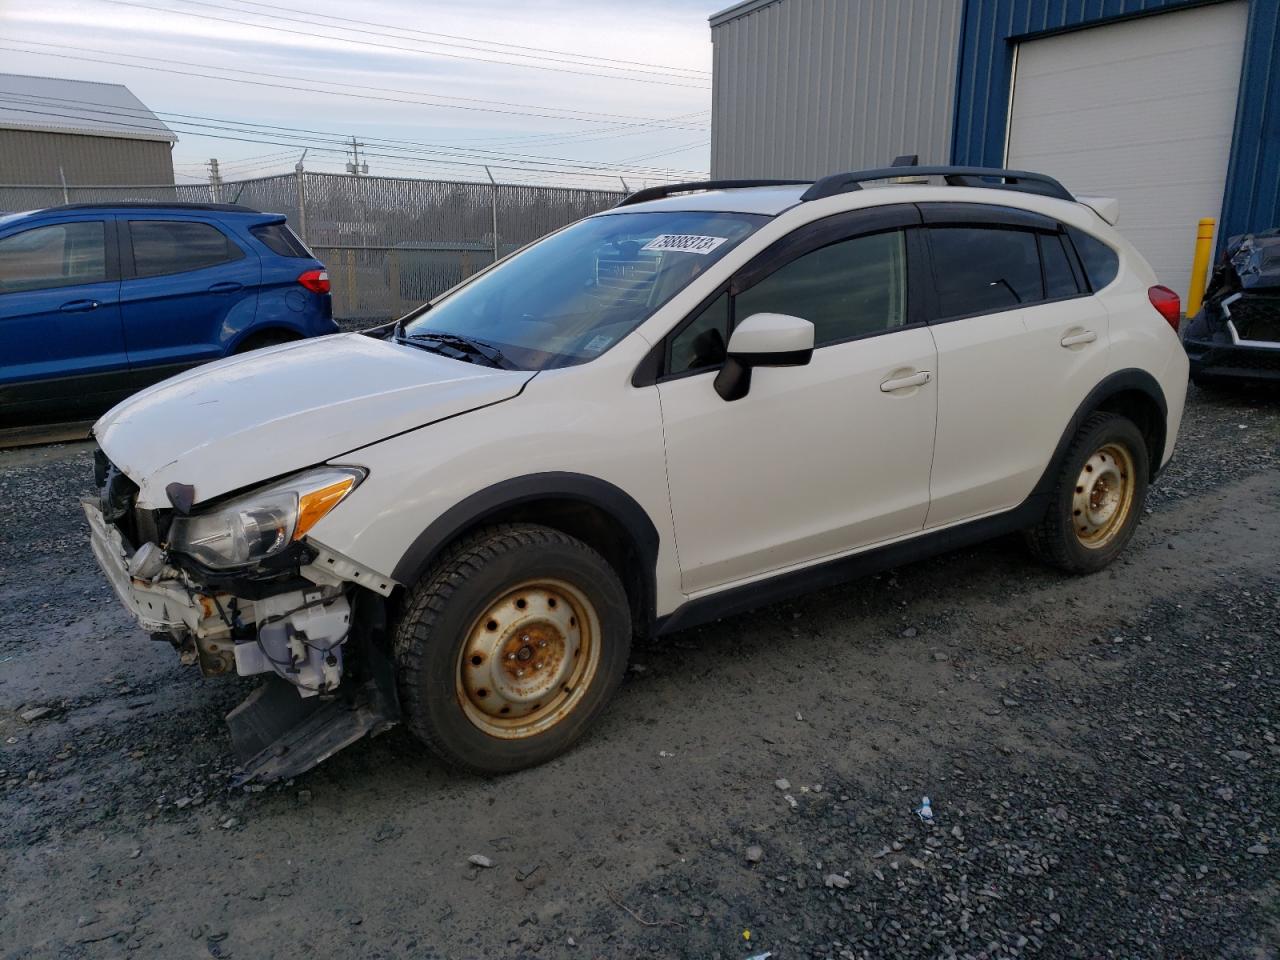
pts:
[569, 298]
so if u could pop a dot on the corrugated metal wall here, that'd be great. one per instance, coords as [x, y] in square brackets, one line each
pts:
[803, 88]
[32, 156]
[993, 28]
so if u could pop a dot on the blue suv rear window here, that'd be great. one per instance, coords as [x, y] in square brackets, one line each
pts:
[280, 240]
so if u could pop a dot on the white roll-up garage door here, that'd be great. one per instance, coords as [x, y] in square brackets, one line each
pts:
[1140, 110]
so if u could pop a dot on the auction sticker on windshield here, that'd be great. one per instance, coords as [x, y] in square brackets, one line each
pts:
[684, 242]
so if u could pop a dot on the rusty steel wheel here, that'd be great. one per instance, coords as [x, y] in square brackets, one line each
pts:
[528, 658]
[1098, 489]
[510, 647]
[1103, 495]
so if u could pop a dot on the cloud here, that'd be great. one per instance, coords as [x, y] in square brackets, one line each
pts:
[667, 32]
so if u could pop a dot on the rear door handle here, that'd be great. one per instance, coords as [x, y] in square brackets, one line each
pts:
[1075, 339]
[226, 286]
[79, 306]
[901, 383]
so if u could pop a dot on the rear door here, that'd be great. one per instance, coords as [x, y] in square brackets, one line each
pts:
[188, 287]
[62, 352]
[1021, 343]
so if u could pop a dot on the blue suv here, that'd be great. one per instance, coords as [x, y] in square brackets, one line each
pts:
[100, 300]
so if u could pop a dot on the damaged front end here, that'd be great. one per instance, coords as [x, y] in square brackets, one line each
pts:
[1237, 332]
[236, 588]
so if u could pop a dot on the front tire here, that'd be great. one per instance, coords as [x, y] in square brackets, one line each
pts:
[1097, 497]
[510, 647]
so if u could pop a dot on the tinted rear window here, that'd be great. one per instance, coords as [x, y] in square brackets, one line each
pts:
[984, 269]
[177, 246]
[280, 240]
[1101, 263]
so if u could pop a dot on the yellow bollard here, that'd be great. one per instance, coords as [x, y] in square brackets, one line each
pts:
[1200, 265]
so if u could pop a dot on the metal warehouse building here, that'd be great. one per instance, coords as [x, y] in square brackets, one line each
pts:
[80, 133]
[1173, 106]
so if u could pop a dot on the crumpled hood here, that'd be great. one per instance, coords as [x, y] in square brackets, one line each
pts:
[250, 418]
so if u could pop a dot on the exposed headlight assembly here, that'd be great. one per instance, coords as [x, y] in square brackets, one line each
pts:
[260, 524]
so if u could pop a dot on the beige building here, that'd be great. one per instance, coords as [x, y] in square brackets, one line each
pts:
[81, 133]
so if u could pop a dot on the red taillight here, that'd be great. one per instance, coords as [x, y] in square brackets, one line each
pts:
[1167, 303]
[317, 281]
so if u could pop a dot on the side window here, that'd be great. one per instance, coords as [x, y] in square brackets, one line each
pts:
[984, 269]
[1101, 263]
[701, 344]
[59, 255]
[1059, 278]
[176, 246]
[848, 289]
[280, 240]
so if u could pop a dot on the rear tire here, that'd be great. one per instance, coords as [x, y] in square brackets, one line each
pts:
[1097, 497]
[510, 647]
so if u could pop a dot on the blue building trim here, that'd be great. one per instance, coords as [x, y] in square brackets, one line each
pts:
[991, 30]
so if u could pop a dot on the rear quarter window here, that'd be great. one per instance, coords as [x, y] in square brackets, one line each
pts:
[280, 240]
[1101, 263]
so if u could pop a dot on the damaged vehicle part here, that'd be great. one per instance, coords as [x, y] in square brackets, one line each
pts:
[234, 591]
[1236, 335]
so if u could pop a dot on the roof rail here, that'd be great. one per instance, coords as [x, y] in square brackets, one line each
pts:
[1022, 181]
[157, 204]
[667, 189]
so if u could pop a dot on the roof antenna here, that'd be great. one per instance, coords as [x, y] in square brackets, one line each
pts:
[906, 160]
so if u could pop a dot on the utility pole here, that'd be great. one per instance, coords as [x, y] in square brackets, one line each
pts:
[355, 167]
[215, 180]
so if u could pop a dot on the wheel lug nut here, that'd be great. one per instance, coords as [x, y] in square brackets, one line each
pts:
[542, 643]
[520, 672]
[511, 656]
[538, 665]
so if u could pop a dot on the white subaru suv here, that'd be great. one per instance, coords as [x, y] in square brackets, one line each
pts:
[707, 398]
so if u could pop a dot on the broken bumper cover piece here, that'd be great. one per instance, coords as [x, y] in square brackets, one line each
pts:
[277, 735]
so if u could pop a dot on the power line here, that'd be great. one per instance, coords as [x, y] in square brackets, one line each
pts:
[491, 43]
[340, 146]
[461, 103]
[513, 50]
[390, 46]
[663, 153]
[217, 123]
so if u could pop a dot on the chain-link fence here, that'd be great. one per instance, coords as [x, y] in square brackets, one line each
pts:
[389, 243]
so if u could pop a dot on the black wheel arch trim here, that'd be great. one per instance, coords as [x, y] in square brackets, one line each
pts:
[556, 485]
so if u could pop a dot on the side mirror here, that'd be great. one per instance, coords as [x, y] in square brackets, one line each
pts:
[763, 340]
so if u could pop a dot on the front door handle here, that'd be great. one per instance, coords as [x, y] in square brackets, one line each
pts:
[901, 383]
[79, 306]
[1075, 339]
[226, 286]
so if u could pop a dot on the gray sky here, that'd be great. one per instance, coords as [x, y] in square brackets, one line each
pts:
[616, 86]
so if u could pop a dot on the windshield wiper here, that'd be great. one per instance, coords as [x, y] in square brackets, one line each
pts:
[465, 345]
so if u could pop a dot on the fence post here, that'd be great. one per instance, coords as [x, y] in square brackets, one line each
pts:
[351, 283]
[495, 214]
[393, 278]
[299, 180]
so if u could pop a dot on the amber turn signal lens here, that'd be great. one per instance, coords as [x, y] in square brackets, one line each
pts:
[313, 506]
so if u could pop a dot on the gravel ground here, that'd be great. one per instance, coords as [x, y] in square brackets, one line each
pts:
[1101, 757]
